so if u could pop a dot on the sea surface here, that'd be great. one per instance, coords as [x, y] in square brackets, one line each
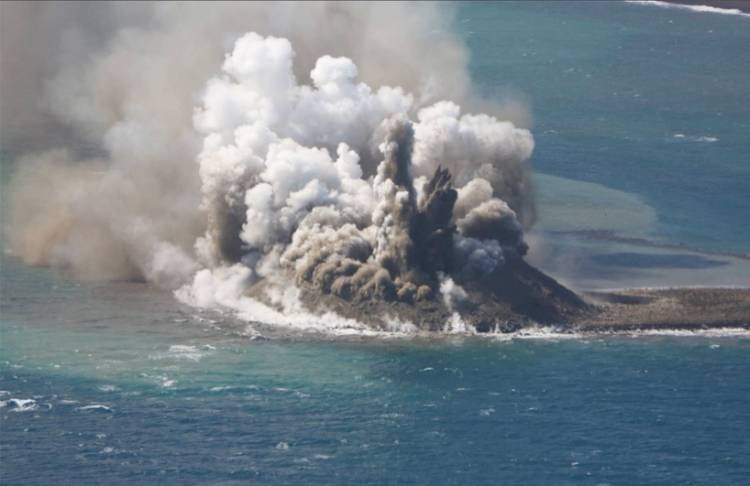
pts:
[641, 116]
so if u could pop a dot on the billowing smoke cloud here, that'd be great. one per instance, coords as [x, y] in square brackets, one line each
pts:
[287, 188]
[327, 144]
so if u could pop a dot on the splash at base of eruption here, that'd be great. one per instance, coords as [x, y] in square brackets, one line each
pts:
[419, 271]
[418, 221]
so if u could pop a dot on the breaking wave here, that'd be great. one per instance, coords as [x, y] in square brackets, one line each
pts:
[693, 8]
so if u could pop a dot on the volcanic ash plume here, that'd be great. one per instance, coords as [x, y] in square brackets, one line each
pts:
[332, 187]
[96, 105]
[306, 174]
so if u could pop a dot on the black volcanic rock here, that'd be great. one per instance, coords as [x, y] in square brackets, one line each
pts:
[513, 297]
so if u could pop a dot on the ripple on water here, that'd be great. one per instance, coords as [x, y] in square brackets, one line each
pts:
[94, 407]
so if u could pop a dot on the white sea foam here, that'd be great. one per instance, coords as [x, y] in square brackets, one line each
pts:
[706, 333]
[453, 330]
[162, 380]
[21, 404]
[693, 8]
[222, 289]
[233, 388]
[94, 407]
[557, 333]
[681, 137]
[536, 332]
[181, 351]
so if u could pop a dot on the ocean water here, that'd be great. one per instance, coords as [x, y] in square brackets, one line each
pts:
[112, 384]
[641, 117]
[652, 103]
[647, 100]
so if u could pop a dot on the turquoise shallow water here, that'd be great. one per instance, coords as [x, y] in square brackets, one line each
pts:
[111, 383]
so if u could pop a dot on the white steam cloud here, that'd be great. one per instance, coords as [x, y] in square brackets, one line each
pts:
[286, 190]
[327, 148]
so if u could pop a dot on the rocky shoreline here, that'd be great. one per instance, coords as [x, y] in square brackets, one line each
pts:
[661, 309]
[522, 297]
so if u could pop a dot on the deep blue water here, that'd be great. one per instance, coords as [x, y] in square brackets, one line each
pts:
[129, 386]
[618, 411]
[126, 385]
